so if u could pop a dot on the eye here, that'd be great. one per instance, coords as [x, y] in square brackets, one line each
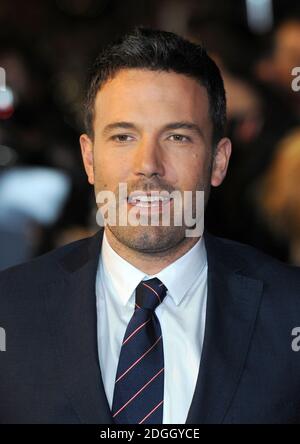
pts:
[180, 138]
[122, 138]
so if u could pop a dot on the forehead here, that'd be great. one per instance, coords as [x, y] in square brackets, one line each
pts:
[152, 95]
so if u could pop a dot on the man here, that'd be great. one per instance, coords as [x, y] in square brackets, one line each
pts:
[144, 323]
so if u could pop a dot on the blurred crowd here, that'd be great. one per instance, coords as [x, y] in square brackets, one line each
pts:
[45, 200]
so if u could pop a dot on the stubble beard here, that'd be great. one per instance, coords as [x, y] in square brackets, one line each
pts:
[151, 239]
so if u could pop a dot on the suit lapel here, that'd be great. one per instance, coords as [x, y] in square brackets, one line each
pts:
[232, 304]
[71, 305]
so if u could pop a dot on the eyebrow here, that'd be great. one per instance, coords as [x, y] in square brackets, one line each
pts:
[170, 126]
[185, 125]
[117, 125]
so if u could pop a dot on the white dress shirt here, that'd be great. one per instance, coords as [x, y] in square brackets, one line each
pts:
[181, 314]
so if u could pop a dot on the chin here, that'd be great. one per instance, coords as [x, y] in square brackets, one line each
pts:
[149, 239]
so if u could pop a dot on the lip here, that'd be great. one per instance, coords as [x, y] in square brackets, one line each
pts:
[150, 208]
[151, 193]
[148, 194]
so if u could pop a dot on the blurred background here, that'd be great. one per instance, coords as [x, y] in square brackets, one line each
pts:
[46, 48]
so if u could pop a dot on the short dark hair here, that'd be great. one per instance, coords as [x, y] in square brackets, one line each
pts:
[159, 51]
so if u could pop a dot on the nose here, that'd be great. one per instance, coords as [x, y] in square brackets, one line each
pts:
[148, 159]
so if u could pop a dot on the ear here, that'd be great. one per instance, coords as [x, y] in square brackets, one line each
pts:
[220, 161]
[87, 153]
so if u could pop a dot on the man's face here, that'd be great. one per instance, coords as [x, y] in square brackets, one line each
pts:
[152, 131]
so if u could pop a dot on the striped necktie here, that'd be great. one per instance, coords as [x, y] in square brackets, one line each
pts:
[139, 385]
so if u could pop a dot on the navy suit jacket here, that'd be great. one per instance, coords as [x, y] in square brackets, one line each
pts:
[50, 371]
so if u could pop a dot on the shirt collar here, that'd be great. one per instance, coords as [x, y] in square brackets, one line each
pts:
[123, 276]
[178, 277]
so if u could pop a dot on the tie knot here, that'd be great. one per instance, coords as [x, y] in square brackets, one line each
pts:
[150, 293]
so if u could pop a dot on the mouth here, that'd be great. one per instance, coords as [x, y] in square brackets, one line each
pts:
[150, 201]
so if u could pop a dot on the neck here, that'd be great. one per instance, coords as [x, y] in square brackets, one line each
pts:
[150, 263]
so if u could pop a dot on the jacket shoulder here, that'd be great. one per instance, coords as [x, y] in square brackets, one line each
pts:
[41, 269]
[252, 261]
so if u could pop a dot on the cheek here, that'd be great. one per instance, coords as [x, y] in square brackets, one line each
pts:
[109, 171]
[193, 170]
